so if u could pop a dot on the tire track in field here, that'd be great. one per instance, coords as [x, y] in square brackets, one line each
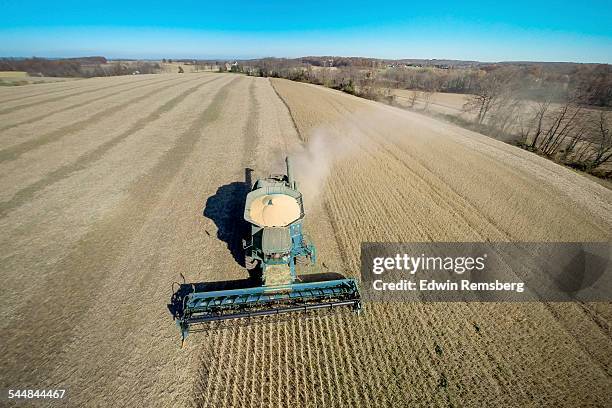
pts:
[26, 194]
[60, 305]
[13, 152]
[61, 97]
[35, 119]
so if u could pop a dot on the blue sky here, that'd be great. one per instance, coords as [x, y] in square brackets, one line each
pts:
[473, 30]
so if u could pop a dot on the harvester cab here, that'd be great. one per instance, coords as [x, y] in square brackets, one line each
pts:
[274, 249]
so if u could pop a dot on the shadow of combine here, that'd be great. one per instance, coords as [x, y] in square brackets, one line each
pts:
[226, 210]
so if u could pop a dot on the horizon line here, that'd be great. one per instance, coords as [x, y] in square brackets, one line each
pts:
[225, 58]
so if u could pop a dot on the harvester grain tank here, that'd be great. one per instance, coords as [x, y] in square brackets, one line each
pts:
[275, 246]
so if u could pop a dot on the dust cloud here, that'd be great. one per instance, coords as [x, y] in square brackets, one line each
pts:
[313, 162]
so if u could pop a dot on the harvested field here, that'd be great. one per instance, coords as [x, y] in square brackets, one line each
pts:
[18, 78]
[439, 102]
[113, 187]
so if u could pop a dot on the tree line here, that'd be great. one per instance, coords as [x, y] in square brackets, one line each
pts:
[560, 111]
[77, 67]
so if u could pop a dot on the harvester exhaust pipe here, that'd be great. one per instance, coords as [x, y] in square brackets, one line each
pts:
[290, 173]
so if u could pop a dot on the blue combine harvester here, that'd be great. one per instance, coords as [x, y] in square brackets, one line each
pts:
[274, 250]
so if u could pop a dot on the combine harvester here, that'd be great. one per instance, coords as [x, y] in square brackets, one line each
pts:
[276, 244]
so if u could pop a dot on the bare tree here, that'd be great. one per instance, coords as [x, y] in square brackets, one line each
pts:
[490, 88]
[563, 122]
[538, 121]
[507, 112]
[426, 96]
[602, 141]
[414, 96]
[576, 141]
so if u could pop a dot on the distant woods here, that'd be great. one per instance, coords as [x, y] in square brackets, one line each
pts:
[591, 83]
[77, 67]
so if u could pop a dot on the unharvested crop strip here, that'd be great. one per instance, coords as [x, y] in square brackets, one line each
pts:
[252, 350]
[288, 356]
[389, 324]
[355, 347]
[474, 312]
[81, 104]
[314, 373]
[282, 362]
[302, 356]
[82, 162]
[431, 187]
[256, 385]
[91, 259]
[13, 152]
